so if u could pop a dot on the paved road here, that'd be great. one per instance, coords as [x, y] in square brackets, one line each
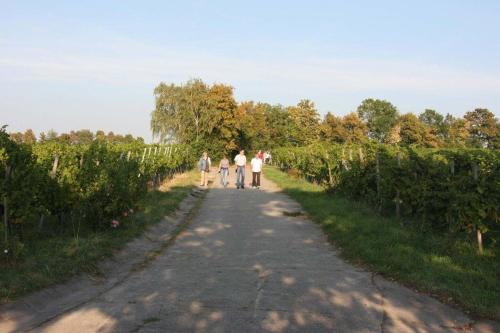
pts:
[244, 266]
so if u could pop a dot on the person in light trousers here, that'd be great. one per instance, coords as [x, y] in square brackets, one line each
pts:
[241, 161]
[204, 166]
[224, 171]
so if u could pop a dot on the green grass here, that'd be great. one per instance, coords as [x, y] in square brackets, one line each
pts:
[49, 260]
[450, 270]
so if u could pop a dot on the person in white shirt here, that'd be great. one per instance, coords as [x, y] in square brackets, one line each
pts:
[241, 161]
[256, 170]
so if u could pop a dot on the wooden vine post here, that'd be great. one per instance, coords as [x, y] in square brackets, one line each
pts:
[377, 170]
[479, 235]
[53, 172]
[398, 196]
[330, 177]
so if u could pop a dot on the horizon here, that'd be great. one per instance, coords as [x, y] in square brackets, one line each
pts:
[94, 65]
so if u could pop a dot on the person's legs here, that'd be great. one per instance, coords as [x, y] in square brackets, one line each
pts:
[254, 179]
[258, 179]
[242, 177]
[238, 177]
[224, 174]
[202, 178]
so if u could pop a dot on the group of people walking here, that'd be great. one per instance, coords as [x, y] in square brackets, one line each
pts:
[240, 161]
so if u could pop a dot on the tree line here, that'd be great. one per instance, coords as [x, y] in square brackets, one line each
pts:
[83, 136]
[209, 117]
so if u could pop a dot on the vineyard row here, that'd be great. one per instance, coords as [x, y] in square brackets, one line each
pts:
[444, 190]
[79, 184]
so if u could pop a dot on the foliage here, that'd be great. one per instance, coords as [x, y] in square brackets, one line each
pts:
[208, 118]
[413, 132]
[82, 184]
[435, 122]
[482, 127]
[305, 123]
[54, 255]
[347, 129]
[183, 112]
[445, 265]
[445, 190]
[379, 115]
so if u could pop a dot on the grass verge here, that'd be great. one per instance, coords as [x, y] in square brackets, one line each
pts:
[50, 260]
[450, 270]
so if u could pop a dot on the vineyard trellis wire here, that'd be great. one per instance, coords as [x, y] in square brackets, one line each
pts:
[444, 190]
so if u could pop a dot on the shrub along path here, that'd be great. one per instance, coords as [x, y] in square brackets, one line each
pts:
[250, 262]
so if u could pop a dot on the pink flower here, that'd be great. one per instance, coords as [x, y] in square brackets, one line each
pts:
[125, 214]
[115, 224]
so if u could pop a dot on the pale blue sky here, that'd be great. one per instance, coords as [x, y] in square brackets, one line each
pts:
[94, 64]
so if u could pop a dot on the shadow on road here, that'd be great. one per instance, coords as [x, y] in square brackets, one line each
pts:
[244, 265]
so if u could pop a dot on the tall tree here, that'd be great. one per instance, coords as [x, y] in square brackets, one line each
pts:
[435, 121]
[17, 137]
[482, 127]
[255, 131]
[279, 125]
[305, 118]
[458, 131]
[182, 112]
[414, 132]
[379, 115]
[357, 130]
[29, 137]
[84, 136]
[51, 135]
[332, 129]
[224, 122]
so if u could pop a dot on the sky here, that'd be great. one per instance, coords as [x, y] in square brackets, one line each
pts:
[67, 65]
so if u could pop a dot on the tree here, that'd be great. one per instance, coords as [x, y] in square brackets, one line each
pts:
[379, 115]
[435, 121]
[332, 129]
[82, 136]
[279, 125]
[254, 128]
[100, 135]
[51, 135]
[357, 130]
[482, 127]
[393, 137]
[183, 112]
[29, 137]
[64, 138]
[458, 131]
[305, 120]
[223, 106]
[414, 132]
[17, 137]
